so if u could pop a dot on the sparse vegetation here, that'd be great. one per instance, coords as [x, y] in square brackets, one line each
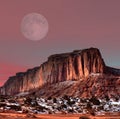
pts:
[67, 104]
[30, 115]
[95, 101]
[84, 117]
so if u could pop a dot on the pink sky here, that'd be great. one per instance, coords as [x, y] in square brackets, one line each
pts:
[73, 24]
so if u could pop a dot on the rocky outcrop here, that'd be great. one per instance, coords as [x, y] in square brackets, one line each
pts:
[74, 66]
[22, 82]
[97, 85]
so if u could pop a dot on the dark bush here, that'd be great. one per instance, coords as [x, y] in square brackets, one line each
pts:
[25, 111]
[2, 104]
[34, 104]
[70, 110]
[95, 101]
[14, 107]
[40, 108]
[30, 115]
[63, 106]
[84, 117]
[49, 98]
[83, 100]
[66, 97]
[12, 101]
[2, 100]
[92, 112]
[71, 102]
[28, 101]
[89, 106]
[107, 98]
[54, 100]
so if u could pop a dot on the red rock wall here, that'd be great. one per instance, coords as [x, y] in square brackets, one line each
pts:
[60, 67]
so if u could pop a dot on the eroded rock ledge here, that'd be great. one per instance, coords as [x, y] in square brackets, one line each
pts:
[75, 65]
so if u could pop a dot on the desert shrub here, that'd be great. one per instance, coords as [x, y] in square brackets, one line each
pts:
[12, 101]
[95, 101]
[33, 93]
[83, 100]
[2, 100]
[107, 98]
[70, 110]
[92, 112]
[84, 117]
[90, 109]
[117, 99]
[54, 100]
[28, 101]
[34, 103]
[59, 108]
[30, 115]
[2, 104]
[25, 111]
[50, 112]
[66, 97]
[40, 108]
[49, 98]
[63, 112]
[63, 106]
[100, 108]
[14, 107]
[70, 103]
[89, 106]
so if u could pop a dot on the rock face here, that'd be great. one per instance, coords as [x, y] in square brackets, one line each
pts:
[74, 66]
[98, 86]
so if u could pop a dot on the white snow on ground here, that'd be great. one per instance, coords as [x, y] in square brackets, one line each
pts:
[22, 94]
[95, 74]
[60, 105]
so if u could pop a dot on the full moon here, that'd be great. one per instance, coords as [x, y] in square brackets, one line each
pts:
[34, 26]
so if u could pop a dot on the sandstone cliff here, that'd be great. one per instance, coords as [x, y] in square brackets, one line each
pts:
[74, 66]
[97, 85]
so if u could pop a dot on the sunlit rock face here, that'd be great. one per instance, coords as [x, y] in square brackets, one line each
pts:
[76, 65]
[73, 66]
[22, 82]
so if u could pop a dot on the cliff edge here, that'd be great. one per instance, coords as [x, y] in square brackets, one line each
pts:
[73, 66]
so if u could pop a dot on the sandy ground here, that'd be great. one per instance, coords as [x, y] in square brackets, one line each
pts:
[57, 116]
